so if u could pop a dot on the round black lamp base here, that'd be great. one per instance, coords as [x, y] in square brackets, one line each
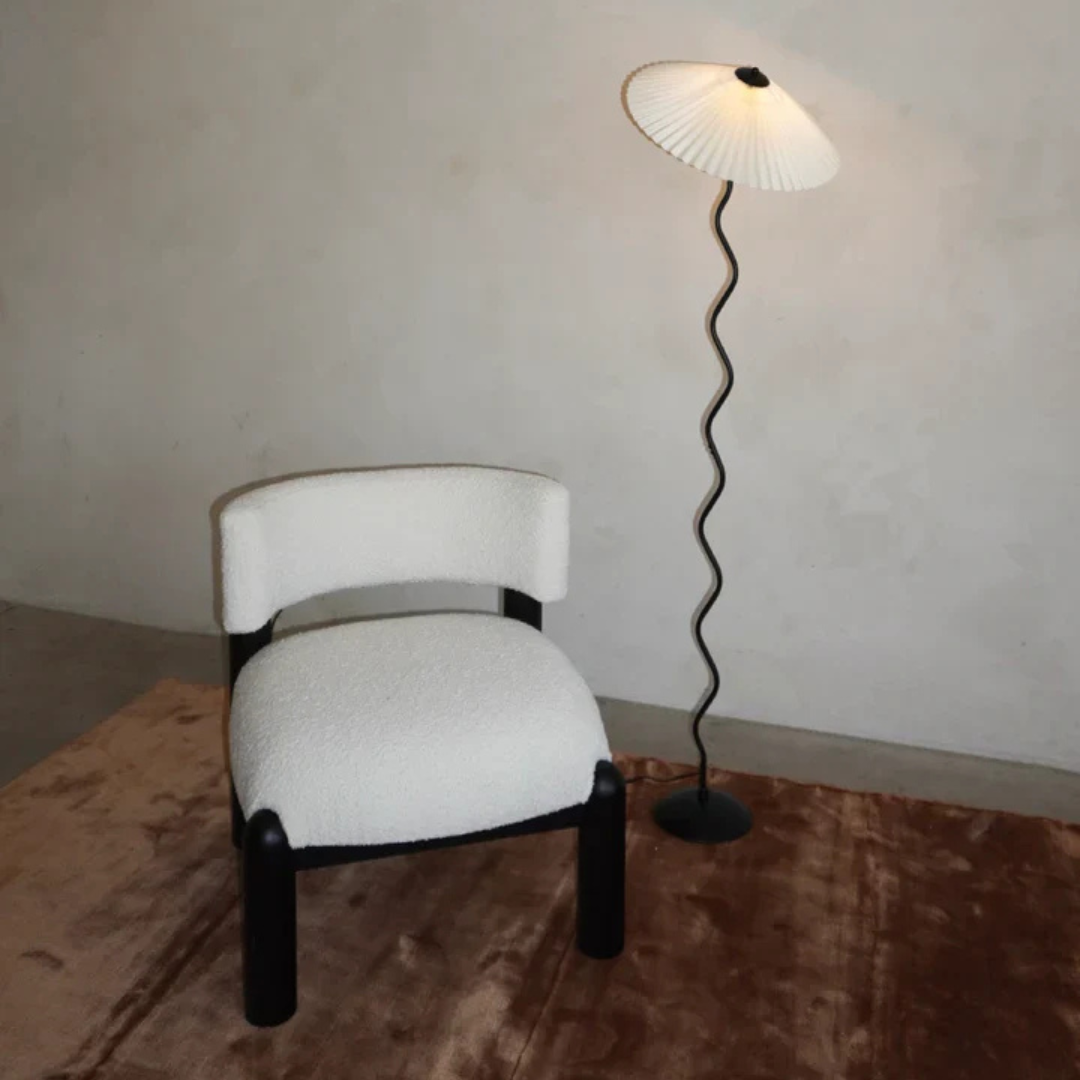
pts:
[719, 818]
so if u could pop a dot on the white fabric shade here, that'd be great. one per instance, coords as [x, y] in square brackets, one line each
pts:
[708, 117]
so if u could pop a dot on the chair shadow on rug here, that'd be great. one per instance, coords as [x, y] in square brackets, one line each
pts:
[369, 739]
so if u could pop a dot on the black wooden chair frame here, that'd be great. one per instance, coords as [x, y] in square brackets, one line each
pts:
[270, 863]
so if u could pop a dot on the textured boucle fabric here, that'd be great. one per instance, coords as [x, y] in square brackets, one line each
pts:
[412, 728]
[299, 538]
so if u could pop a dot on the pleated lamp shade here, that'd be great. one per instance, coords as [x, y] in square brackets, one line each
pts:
[732, 123]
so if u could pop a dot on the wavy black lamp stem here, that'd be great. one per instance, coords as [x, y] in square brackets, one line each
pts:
[700, 814]
[714, 495]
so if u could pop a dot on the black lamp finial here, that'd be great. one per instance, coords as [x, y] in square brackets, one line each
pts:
[752, 76]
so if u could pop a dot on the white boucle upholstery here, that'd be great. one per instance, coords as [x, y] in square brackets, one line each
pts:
[412, 728]
[299, 538]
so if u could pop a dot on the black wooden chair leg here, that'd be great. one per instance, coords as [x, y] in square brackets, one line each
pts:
[237, 819]
[269, 922]
[602, 866]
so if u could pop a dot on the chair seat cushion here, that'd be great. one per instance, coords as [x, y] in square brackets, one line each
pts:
[412, 728]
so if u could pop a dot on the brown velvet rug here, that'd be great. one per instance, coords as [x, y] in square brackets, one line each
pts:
[849, 936]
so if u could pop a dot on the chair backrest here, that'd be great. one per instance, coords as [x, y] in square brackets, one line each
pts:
[294, 539]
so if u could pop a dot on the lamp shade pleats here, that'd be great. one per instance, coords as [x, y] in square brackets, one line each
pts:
[732, 123]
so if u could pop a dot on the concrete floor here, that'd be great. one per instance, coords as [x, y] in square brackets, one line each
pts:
[60, 674]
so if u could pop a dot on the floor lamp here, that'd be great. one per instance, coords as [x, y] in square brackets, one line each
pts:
[735, 124]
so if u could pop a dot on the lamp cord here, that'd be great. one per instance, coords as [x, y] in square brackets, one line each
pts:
[643, 779]
[710, 502]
